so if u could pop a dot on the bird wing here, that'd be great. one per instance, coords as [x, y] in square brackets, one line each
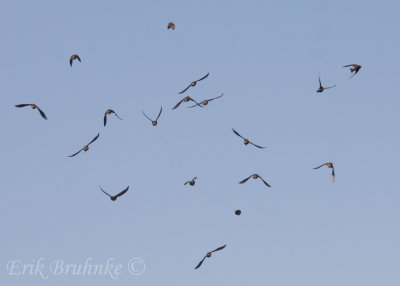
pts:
[75, 153]
[123, 192]
[22, 105]
[117, 116]
[94, 139]
[177, 104]
[79, 59]
[329, 86]
[42, 113]
[215, 97]
[234, 131]
[349, 66]
[245, 180]
[219, 248]
[70, 61]
[195, 101]
[333, 174]
[105, 118]
[264, 181]
[201, 262]
[320, 84]
[202, 77]
[105, 192]
[146, 116]
[159, 113]
[256, 145]
[321, 166]
[184, 89]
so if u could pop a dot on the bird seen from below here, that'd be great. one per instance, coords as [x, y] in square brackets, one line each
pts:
[208, 255]
[191, 182]
[113, 198]
[255, 176]
[171, 25]
[246, 141]
[108, 112]
[354, 68]
[34, 106]
[238, 212]
[205, 102]
[329, 165]
[186, 99]
[321, 88]
[193, 83]
[153, 122]
[86, 147]
[74, 57]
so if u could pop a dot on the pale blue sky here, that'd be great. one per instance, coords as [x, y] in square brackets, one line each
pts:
[265, 56]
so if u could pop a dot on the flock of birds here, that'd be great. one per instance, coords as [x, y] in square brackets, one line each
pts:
[354, 69]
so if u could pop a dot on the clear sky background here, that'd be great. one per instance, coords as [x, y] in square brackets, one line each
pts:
[265, 56]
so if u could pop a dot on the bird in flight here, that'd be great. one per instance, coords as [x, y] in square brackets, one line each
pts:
[208, 255]
[171, 25]
[255, 176]
[238, 212]
[354, 68]
[109, 111]
[113, 198]
[72, 58]
[321, 88]
[193, 83]
[329, 165]
[86, 147]
[186, 99]
[191, 182]
[34, 106]
[205, 102]
[246, 141]
[154, 122]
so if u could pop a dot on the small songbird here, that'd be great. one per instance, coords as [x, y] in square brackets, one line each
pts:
[113, 198]
[238, 212]
[86, 147]
[154, 122]
[354, 68]
[321, 88]
[255, 176]
[171, 25]
[246, 141]
[191, 182]
[34, 106]
[208, 255]
[206, 101]
[186, 99]
[109, 111]
[329, 165]
[74, 57]
[193, 83]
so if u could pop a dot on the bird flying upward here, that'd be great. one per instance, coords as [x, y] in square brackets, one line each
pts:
[246, 141]
[208, 255]
[153, 122]
[255, 176]
[109, 111]
[329, 165]
[74, 57]
[193, 83]
[321, 88]
[205, 102]
[171, 25]
[86, 147]
[113, 198]
[354, 68]
[191, 182]
[186, 99]
[34, 106]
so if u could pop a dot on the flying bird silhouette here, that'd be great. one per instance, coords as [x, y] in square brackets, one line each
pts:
[109, 111]
[208, 255]
[238, 212]
[86, 147]
[34, 106]
[193, 83]
[72, 58]
[321, 88]
[154, 122]
[246, 141]
[205, 102]
[171, 25]
[113, 198]
[354, 68]
[186, 99]
[329, 165]
[255, 176]
[191, 182]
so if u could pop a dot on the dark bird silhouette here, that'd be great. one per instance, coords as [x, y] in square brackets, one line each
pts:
[191, 182]
[171, 25]
[238, 212]
[321, 88]
[72, 58]
[154, 122]
[354, 68]
[208, 255]
[109, 111]
[246, 141]
[193, 83]
[255, 176]
[329, 165]
[34, 106]
[113, 198]
[186, 99]
[205, 102]
[86, 147]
